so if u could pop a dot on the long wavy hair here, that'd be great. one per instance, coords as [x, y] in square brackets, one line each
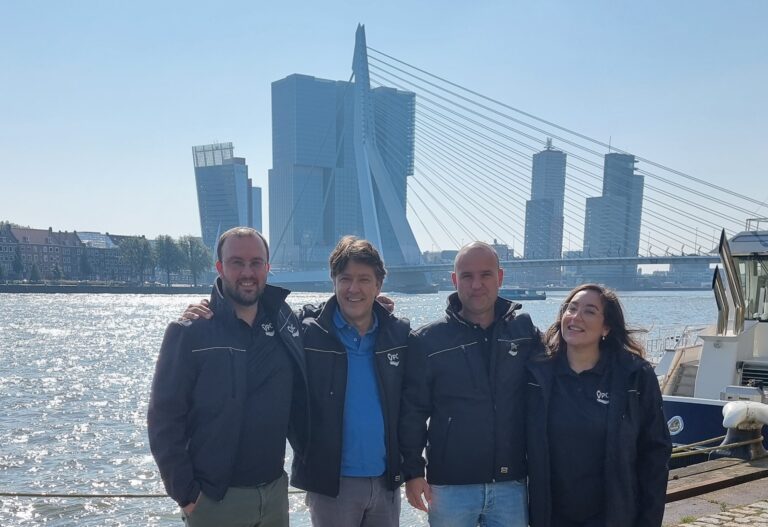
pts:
[619, 336]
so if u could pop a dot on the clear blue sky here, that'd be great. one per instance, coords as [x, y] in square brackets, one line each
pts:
[101, 101]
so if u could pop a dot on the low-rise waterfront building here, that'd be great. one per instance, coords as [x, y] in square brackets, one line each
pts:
[46, 250]
[9, 247]
[101, 260]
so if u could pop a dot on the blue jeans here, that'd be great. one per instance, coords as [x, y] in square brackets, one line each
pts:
[503, 504]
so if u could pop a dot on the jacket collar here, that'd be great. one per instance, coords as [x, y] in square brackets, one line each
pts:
[328, 308]
[620, 361]
[626, 361]
[271, 300]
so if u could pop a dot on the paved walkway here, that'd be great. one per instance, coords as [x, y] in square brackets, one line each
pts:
[754, 515]
[745, 504]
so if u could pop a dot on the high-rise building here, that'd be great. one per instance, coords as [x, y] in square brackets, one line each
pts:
[544, 212]
[315, 192]
[224, 193]
[256, 207]
[612, 221]
[341, 157]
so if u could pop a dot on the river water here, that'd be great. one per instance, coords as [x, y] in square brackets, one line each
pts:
[75, 372]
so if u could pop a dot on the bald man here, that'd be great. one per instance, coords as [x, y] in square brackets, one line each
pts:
[465, 373]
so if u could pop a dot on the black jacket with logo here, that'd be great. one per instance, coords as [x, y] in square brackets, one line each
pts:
[638, 445]
[198, 392]
[476, 431]
[319, 468]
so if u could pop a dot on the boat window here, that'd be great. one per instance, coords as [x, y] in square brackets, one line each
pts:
[754, 279]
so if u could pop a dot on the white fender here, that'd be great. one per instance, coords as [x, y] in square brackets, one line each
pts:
[745, 415]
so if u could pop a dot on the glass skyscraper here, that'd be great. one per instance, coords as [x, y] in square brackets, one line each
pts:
[612, 221]
[315, 194]
[544, 212]
[225, 196]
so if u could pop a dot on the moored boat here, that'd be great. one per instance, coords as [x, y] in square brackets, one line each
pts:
[727, 361]
[519, 293]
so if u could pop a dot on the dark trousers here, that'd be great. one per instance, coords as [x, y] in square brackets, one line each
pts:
[362, 502]
[262, 506]
[594, 521]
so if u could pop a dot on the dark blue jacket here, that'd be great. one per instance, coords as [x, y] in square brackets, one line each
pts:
[637, 445]
[197, 403]
[476, 430]
[318, 469]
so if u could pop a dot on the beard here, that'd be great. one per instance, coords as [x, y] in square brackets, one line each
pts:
[231, 291]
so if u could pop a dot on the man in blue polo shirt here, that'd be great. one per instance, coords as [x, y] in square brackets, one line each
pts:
[353, 349]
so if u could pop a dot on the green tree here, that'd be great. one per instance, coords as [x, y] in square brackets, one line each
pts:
[168, 255]
[197, 257]
[18, 266]
[56, 273]
[34, 274]
[136, 253]
[2, 273]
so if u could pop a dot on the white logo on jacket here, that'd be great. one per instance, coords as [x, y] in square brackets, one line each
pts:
[394, 359]
[602, 397]
[269, 330]
[294, 330]
[513, 349]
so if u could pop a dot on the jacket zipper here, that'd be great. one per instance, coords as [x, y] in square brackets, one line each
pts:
[232, 371]
[469, 367]
[385, 415]
[447, 435]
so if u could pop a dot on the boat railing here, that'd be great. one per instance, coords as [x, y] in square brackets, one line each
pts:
[660, 340]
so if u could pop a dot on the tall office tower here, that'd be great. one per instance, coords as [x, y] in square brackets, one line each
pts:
[223, 190]
[612, 221]
[255, 207]
[544, 213]
[341, 156]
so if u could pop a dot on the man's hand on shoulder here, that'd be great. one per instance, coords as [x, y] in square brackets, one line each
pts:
[387, 302]
[414, 490]
[196, 311]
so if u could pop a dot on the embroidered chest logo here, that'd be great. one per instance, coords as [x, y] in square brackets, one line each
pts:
[269, 330]
[602, 397]
[294, 330]
[394, 359]
[513, 349]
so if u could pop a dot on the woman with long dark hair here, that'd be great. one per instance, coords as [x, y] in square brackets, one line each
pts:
[598, 444]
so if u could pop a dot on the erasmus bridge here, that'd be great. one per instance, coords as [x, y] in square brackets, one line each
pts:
[461, 170]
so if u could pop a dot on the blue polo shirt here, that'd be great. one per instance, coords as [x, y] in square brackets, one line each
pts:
[363, 450]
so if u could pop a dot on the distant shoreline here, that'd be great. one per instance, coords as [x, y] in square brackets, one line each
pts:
[206, 289]
[107, 289]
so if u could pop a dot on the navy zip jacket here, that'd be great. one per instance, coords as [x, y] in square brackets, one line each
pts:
[319, 468]
[476, 413]
[197, 404]
[638, 445]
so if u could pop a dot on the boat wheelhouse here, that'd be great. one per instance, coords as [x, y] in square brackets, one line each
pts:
[728, 361]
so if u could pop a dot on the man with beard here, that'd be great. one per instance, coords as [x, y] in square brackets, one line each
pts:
[226, 394]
